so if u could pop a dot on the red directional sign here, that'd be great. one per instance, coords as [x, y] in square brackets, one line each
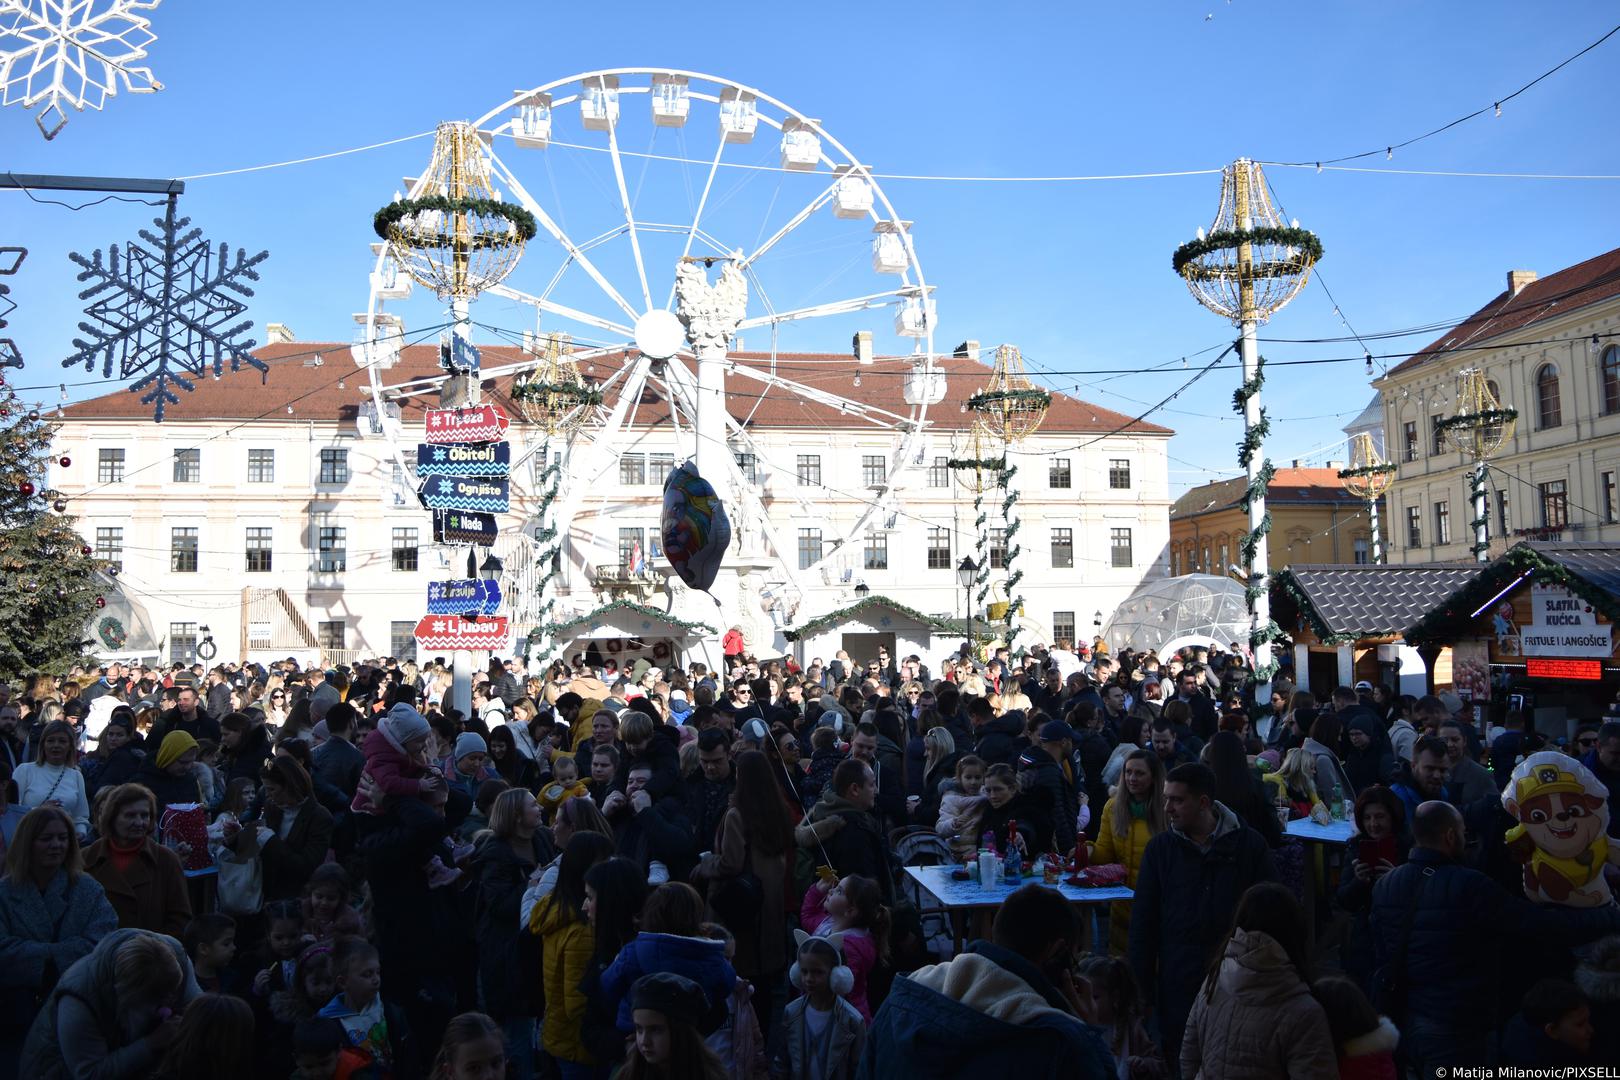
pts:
[454, 632]
[472, 424]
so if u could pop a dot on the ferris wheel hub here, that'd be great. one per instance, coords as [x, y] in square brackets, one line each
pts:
[659, 334]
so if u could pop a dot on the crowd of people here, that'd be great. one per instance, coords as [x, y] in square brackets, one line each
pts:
[272, 871]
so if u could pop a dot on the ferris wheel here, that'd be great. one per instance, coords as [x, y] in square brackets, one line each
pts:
[642, 181]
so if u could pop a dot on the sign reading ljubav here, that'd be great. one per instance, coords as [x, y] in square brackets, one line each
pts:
[1562, 624]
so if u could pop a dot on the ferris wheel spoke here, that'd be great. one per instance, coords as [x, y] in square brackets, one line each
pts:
[697, 216]
[561, 237]
[602, 447]
[870, 413]
[821, 311]
[629, 212]
[563, 310]
[793, 223]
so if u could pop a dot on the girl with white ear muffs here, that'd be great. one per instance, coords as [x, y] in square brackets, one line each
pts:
[823, 1034]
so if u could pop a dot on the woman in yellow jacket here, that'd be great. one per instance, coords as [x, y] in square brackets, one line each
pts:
[564, 929]
[1131, 817]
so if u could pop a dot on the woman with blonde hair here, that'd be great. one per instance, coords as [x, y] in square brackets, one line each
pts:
[1132, 817]
[53, 777]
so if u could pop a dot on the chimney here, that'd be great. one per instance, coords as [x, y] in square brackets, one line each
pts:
[1518, 279]
[1296, 463]
[278, 333]
[968, 349]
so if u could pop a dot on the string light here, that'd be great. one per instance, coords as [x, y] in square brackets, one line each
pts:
[1498, 106]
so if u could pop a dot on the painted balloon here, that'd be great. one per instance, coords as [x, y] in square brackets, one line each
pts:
[695, 527]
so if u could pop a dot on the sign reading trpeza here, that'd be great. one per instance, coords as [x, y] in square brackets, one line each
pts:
[470, 424]
[1562, 624]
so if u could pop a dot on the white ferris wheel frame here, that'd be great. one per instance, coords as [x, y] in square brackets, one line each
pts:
[676, 381]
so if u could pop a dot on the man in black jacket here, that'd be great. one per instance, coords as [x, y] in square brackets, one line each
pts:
[708, 791]
[1000, 739]
[1055, 779]
[1204, 718]
[858, 846]
[1191, 879]
[1450, 940]
[187, 716]
[649, 830]
[889, 806]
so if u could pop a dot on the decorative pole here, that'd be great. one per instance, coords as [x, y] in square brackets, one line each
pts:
[1368, 477]
[976, 471]
[1248, 266]
[1479, 429]
[1012, 408]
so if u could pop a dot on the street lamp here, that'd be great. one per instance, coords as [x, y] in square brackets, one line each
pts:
[966, 571]
[861, 591]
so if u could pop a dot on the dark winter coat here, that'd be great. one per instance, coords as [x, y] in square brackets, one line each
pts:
[1056, 795]
[201, 726]
[706, 803]
[1185, 896]
[169, 789]
[859, 847]
[703, 960]
[150, 893]
[289, 863]
[1034, 823]
[338, 762]
[509, 961]
[50, 929]
[250, 756]
[1002, 739]
[660, 832]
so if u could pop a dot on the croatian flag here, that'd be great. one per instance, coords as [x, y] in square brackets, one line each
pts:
[638, 563]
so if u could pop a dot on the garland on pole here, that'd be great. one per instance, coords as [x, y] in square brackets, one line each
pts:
[1253, 442]
[384, 220]
[1015, 603]
[549, 540]
[1478, 503]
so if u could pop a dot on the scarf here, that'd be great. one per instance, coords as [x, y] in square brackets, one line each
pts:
[1138, 809]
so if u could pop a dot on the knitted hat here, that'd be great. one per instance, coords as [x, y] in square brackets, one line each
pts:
[678, 998]
[470, 742]
[174, 744]
[402, 724]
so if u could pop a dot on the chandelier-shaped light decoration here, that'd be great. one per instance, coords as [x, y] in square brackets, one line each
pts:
[1250, 262]
[1012, 408]
[457, 237]
[1368, 475]
[553, 395]
[73, 53]
[1481, 425]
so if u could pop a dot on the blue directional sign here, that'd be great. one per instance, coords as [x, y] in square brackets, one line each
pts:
[463, 459]
[464, 527]
[491, 496]
[461, 595]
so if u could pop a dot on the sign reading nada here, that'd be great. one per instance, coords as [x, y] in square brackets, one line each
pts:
[1562, 624]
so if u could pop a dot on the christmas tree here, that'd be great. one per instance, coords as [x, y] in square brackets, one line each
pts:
[48, 581]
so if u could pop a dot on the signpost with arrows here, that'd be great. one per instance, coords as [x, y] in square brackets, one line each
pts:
[464, 595]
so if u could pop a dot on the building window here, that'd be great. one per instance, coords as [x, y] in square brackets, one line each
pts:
[809, 470]
[1611, 499]
[1549, 408]
[331, 635]
[1409, 440]
[110, 546]
[1119, 474]
[1609, 377]
[939, 548]
[1555, 504]
[1226, 555]
[1062, 549]
[877, 551]
[1062, 626]
[183, 551]
[809, 548]
[1414, 527]
[939, 473]
[405, 549]
[258, 550]
[187, 465]
[1059, 474]
[659, 466]
[872, 470]
[632, 469]
[997, 549]
[109, 466]
[1442, 522]
[1437, 437]
[1119, 544]
[748, 465]
[1363, 551]
[182, 643]
[334, 465]
[332, 548]
[261, 466]
[1502, 509]
[402, 640]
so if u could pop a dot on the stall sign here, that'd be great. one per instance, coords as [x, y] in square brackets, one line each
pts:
[1591, 670]
[1562, 624]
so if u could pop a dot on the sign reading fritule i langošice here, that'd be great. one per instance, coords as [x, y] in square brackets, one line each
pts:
[1562, 624]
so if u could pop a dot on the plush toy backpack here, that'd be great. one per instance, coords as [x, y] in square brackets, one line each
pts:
[842, 980]
[1562, 837]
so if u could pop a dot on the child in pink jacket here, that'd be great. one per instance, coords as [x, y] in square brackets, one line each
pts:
[854, 908]
[394, 764]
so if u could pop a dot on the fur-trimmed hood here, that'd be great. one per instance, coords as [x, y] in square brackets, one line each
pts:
[1598, 975]
[1380, 1040]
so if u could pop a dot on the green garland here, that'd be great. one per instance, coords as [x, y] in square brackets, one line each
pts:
[1309, 245]
[1477, 419]
[1451, 617]
[833, 617]
[385, 220]
[982, 464]
[1476, 492]
[1255, 490]
[1015, 602]
[631, 606]
[572, 394]
[1253, 439]
[997, 400]
[1382, 469]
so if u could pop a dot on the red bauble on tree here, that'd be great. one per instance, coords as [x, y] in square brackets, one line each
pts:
[86, 550]
[101, 601]
[66, 461]
[25, 488]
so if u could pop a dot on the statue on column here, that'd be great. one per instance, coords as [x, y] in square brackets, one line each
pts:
[710, 313]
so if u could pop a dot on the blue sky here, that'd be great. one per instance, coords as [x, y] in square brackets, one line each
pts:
[1076, 274]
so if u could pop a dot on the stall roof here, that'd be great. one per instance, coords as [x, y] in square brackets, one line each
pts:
[838, 615]
[1347, 602]
[650, 615]
[1589, 570]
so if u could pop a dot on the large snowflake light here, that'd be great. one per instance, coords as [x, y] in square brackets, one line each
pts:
[11, 259]
[72, 52]
[167, 312]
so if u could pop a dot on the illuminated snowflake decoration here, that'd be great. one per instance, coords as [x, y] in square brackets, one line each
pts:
[11, 259]
[72, 52]
[168, 312]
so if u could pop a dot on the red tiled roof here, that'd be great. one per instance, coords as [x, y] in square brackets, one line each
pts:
[313, 391]
[1573, 287]
[1289, 486]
